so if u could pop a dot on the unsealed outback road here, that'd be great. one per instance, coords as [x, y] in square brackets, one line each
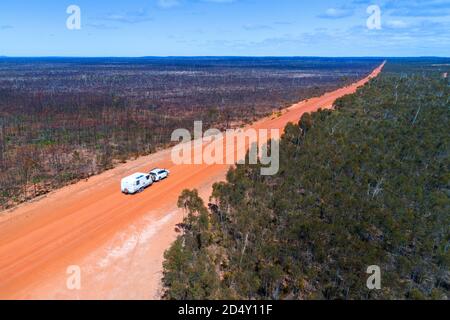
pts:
[116, 241]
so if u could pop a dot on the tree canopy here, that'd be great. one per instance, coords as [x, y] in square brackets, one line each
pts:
[365, 184]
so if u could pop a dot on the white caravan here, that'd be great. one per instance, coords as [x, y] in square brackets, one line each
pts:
[136, 183]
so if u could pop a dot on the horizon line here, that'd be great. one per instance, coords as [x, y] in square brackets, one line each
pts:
[224, 56]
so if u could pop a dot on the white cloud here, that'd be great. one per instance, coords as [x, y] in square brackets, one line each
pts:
[397, 24]
[336, 13]
[252, 27]
[219, 1]
[168, 3]
[129, 17]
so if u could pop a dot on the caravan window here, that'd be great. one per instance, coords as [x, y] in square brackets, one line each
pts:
[138, 182]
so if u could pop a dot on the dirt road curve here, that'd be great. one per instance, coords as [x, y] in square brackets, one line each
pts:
[117, 241]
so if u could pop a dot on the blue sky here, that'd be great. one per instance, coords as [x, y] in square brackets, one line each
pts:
[225, 27]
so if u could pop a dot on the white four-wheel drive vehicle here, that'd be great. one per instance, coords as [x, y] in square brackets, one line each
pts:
[136, 183]
[159, 174]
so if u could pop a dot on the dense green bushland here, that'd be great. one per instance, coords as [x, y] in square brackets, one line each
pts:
[366, 184]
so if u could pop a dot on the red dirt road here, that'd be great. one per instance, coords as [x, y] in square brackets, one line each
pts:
[117, 241]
